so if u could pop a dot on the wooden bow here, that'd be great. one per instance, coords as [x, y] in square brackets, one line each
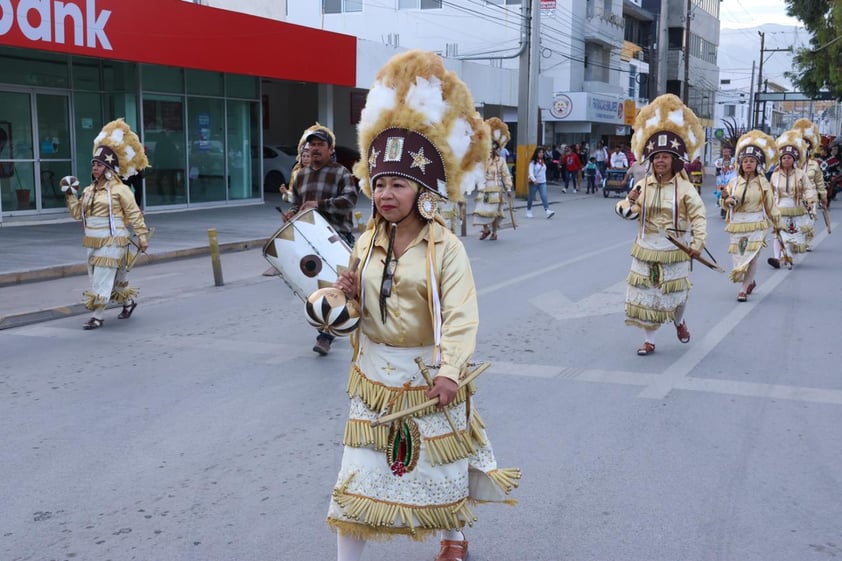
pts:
[383, 419]
[693, 255]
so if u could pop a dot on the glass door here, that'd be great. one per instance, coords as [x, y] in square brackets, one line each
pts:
[54, 149]
[17, 154]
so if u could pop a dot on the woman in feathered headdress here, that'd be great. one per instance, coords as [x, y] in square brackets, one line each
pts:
[488, 211]
[750, 206]
[421, 141]
[812, 145]
[666, 135]
[107, 207]
[794, 196]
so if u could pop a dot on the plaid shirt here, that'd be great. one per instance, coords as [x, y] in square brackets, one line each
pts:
[332, 187]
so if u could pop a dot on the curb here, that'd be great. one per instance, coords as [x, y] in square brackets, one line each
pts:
[37, 316]
[78, 269]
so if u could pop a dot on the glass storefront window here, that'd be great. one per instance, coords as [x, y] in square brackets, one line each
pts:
[164, 138]
[119, 76]
[87, 109]
[162, 79]
[33, 68]
[244, 152]
[204, 83]
[206, 156]
[246, 87]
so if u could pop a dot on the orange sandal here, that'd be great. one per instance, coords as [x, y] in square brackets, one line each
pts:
[453, 551]
[646, 349]
[682, 332]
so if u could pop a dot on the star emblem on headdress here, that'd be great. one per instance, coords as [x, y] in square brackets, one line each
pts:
[372, 159]
[650, 146]
[109, 158]
[419, 160]
[674, 143]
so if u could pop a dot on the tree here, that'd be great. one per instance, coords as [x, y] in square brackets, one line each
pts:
[817, 67]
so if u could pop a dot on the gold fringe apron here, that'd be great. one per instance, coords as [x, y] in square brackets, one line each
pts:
[106, 263]
[747, 237]
[444, 476]
[658, 284]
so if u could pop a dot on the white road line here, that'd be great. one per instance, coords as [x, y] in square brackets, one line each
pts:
[550, 268]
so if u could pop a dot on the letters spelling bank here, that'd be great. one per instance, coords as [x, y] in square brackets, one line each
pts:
[88, 29]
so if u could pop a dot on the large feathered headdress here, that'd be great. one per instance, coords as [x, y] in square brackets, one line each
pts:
[419, 122]
[791, 142]
[758, 145]
[667, 125]
[500, 134]
[118, 148]
[810, 133]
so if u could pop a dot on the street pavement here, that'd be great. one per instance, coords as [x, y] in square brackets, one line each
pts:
[205, 428]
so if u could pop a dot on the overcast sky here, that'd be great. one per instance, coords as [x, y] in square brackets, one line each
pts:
[752, 13]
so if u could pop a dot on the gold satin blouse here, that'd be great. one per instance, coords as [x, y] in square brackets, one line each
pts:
[123, 205]
[657, 199]
[756, 196]
[408, 323]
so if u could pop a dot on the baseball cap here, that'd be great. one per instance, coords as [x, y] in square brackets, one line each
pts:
[321, 135]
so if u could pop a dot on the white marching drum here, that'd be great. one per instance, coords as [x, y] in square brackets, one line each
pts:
[308, 253]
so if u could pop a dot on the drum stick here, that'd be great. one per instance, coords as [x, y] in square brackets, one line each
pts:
[430, 402]
[425, 372]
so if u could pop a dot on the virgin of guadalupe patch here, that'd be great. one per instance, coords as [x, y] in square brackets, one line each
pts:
[743, 245]
[394, 149]
[403, 446]
[655, 274]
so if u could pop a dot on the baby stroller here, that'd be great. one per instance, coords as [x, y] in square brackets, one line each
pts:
[613, 182]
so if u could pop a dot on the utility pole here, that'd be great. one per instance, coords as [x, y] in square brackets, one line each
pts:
[751, 98]
[686, 89]
[758, 122]
[527, 113]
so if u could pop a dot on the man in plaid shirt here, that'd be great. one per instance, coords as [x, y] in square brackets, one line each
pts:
[329, 188]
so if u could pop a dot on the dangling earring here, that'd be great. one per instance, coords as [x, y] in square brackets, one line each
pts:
[427, 205]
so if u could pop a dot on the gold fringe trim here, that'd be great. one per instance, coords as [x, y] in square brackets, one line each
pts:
[750, 248]
[506, 479]
[93, 301]
[377, 396]
[793, 211]
[110, 262]
[746, 227]
[380, 516]
[667, 287]
[382, 534]
[797, 248]
[121, 295]
[646, 317]
[659, 255]
[738, 275]
[99, 243]
[444, 449]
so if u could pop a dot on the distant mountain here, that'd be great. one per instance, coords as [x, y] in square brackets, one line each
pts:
[739, 47]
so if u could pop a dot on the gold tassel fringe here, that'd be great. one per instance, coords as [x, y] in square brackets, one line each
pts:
[506, 479]
[377, 396]
[667, 287]
[444, 449]
[378, 518]
[659, 255]
[93, 301]
[98, 243]
[110, 262]
[793, 211]
[750, 248]
[746, 227]
[121, 295]
[646, 317]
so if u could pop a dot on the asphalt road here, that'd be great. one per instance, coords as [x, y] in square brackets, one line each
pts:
[205, 428]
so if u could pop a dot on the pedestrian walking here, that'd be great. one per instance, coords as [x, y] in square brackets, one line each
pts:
[573, 165]
[417, 475]
[750, 205]
[490, 199]
[328, 187]
[538, 182]
[107, 208]
[667, 133]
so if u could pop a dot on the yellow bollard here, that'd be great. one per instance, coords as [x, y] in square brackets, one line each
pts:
[213, 243]
[358, 216]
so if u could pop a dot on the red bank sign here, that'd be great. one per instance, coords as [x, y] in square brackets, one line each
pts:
[183, 34]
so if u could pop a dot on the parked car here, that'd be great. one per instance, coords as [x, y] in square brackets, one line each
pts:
[277, 165]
